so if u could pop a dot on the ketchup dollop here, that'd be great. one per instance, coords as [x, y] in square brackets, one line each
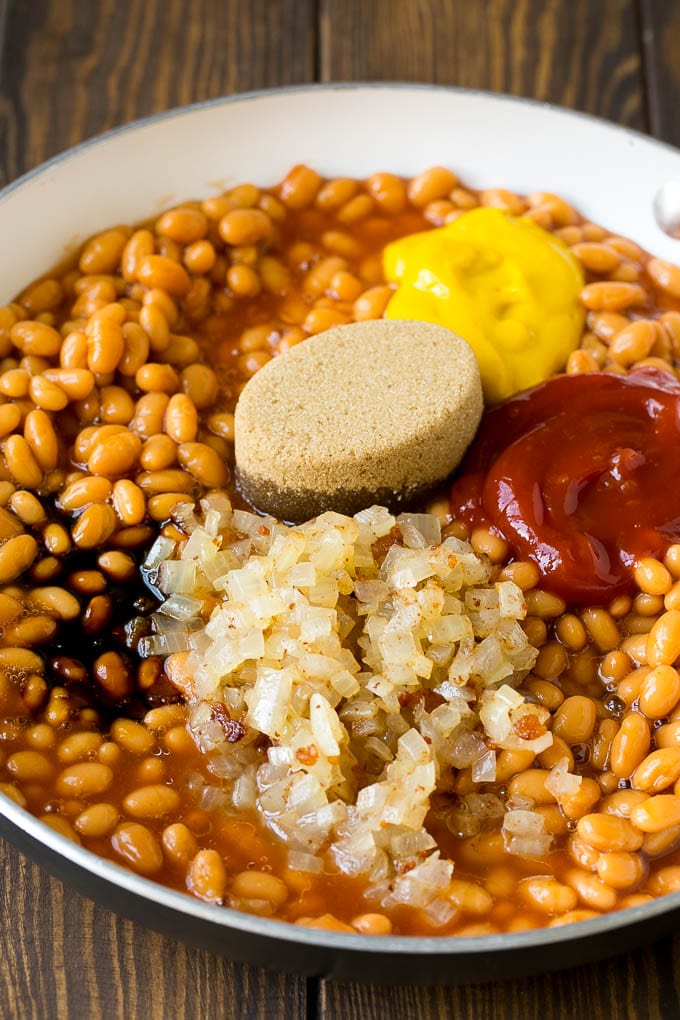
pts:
[580, 474]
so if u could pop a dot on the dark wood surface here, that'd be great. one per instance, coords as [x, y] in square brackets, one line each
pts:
[72, 68]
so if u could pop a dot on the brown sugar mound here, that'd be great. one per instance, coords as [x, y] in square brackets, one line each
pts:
[372, 412]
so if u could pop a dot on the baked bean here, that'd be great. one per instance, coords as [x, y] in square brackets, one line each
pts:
[547, 895]
[42, 296]
[372, 924]
[602, 629]
[664, 881]
[557, 751]
[84, 491]
[243, 281]
[658, 770]
[523, 573]
[437, 182]
[580, 361]
[510, 763]
[105, 344]
[153, 801]
[9, 525]
[582, 853]
[179, 844]
[259, 885]
[133, 537]
[663, 642]
[113, 675]
[300, 187]
[591, 890]
[138, 847]
[612, 296]
[199, 257]
[621, 870]
[30, 767]
[672, 598]
[21, 462]
[97, 820]
[94, 526]
[33, 630]
[10, 416]
[200, 384]
[660, 692]
[371, 304]
[109, 754]
[181, 419]
[571, 632]
[183, 224]
[136, 348]
[161, 719]
[546, 693]
[102, 253]
[157, 378]
[119, 566]
[207, 877]
[615, 666]
[132, 736]
[543, 604]
[128, 502]
[84, 779]
[42, 442]
[665, 275]
[160, 507]
[609, 832]
[655, 814]
[244, 226]
[598, 258]
[628, 689]
[164, 273]
[61, 825]
[16, 555]
[115, 456]
[552, 660]
[27, 507]
[358, 208]
[602, 742]
[633, 342]
[79, 747]
[630, 745]
[177, 740]
[36, 338]
[578, 804]
[168, 480]
[530, 784]
[203, 463]
[575, 719]
[668, 735]
[321, 319]
[672, 560]
[155, 325]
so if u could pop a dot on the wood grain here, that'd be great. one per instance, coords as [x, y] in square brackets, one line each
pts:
[577, 53]
[660, 25]
[637, 985]
[74, 68]
[64, 958]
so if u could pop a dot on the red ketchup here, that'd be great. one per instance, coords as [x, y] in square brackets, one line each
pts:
[581, 475]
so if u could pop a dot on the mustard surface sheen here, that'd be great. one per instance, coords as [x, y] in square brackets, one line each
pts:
[502, 283]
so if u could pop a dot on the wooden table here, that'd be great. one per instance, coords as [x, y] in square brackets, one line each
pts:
[72, 68]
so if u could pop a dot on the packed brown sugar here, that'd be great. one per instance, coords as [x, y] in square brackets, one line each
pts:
[119, 380]
[342, 423]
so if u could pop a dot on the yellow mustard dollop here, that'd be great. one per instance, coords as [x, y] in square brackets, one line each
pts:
[503, 283]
